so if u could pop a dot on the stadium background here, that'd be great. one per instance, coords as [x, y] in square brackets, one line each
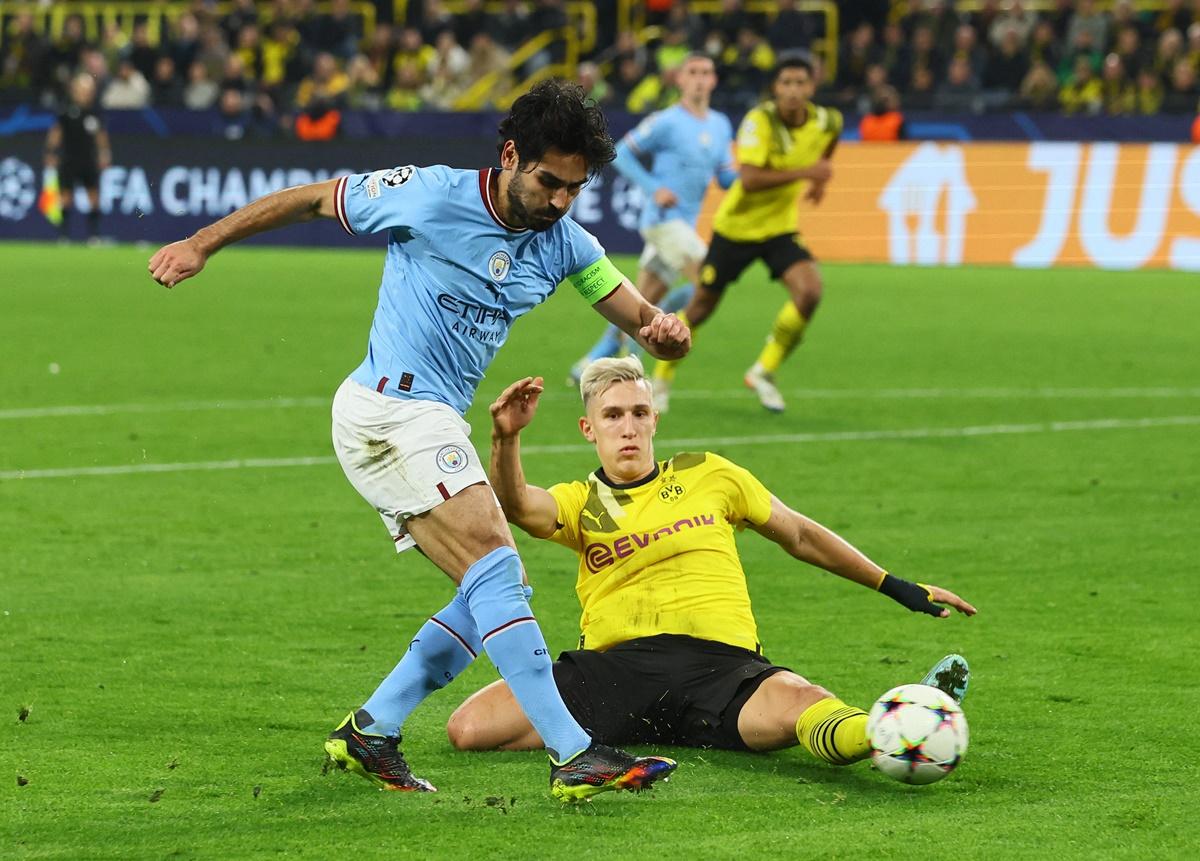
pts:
[286, 92]
[191, 593]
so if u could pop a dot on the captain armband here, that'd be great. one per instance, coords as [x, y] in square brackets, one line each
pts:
[914, 596]
[597, 281]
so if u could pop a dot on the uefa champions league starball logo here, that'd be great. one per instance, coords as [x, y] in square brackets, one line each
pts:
[18, 189]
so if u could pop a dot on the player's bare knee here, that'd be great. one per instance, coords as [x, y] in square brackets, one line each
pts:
[464, 730]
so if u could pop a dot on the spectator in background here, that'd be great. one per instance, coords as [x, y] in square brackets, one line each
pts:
[281, 60]
[1174, 16]
[1039, 88]
[877, 78]
[983, 19]
[893, 55]
[959, 93]
[731, 20]
[338, 32]
[233, 76]
[326, 85]
[935, 16]
[1082, 92]
[1148, 98]
[858, 51]
[884, 122]
[200, 93]
[249, 50]
[22, 61]
[1128, 46]
[547, 15]
[1170, 51]
[965, 47]
[64, 56]
[1119, 94]
[127, 91]
[594, 86]
[166, 90]
[449, 73]
[512, 27]
[1059, 19]
[1007, 66]
[473, 19]
[489, 60]
[1081, 48]
[214, 50]
[232, 113]
[184, 43]
[1193, 45]
[681, 19]
[790, 28]
[745, 67]
[925, 54]
[921, 87]
[140, 52]
[1044, 46]
[1124, 16]
[630, 71]
[244, 12]
[364, 91]
[114, 44]
[434, 20]
[380, 53]
[1016, 18]
[1090, 21]
[653, 93]
[414, 60]
[1182, 94]
[673, 48]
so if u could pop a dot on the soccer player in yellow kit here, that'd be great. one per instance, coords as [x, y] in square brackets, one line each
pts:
[670, 651]
[784, 146]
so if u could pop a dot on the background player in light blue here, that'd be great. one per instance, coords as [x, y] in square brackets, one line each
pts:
[468, 253]
[688, 144]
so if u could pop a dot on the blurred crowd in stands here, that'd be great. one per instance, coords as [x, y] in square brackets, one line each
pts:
[286, 65]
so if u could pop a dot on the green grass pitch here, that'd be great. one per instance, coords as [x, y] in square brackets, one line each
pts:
[182, 639]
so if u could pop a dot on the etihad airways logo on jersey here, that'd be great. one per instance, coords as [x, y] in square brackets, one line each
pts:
[468, 313]
[601, 554]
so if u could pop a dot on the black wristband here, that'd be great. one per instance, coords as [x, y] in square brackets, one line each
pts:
[912, 595]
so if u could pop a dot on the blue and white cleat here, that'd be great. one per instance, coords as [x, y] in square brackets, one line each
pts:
[950, 675]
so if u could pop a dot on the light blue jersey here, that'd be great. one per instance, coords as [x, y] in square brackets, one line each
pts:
[685, 153]
[455, 280]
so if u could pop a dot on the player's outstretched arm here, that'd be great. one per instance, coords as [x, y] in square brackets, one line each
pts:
[181, 260]
[531, 508]
[810, 542]
[664, 336]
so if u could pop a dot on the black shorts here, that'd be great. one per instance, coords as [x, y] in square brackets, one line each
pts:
[76, 172]
[727, 260]
[669, 689]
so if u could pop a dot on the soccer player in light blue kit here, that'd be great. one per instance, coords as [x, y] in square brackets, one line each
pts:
[688, 144]
[468, 253]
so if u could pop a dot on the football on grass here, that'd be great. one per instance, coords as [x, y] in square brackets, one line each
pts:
[918, 734]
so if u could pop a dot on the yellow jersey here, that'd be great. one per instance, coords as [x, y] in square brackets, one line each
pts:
[659, 557]
[764, 141]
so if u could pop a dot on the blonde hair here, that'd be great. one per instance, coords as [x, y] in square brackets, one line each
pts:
[602, 373]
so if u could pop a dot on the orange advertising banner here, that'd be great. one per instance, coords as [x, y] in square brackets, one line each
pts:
[1105, 205]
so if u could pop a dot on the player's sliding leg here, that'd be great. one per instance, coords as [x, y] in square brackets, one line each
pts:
[804, 286]
[468, 539]
[787, 710]
[951, 675]
[678, 298]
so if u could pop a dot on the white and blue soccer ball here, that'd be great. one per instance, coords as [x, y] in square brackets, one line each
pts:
[918, 734]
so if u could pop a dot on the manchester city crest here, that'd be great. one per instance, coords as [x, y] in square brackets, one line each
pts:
[499, 265]
[452, 459]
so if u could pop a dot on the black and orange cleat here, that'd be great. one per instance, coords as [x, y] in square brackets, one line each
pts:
[375, 757]
[603, 769]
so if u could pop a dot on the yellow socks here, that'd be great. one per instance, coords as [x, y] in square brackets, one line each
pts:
[664, 369]
[785, 335]
[833, 731]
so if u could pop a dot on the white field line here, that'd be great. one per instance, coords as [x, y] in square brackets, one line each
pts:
[665, 444]
[17, 413]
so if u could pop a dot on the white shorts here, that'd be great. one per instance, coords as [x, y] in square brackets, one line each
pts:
[670, 246]
[404, 457]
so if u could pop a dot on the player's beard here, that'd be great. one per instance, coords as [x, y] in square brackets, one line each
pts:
[520, 215]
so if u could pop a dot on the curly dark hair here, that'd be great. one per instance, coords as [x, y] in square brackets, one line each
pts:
[557, 114]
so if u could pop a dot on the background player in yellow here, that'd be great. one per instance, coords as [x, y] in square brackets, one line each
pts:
[670, 651]
[784, 146]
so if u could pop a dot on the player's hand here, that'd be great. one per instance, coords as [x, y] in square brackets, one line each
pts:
[821, 171]
[665, 198]
[815, 193]
[516, 406]
[938, 595]
[176, 262]
[666, 336]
